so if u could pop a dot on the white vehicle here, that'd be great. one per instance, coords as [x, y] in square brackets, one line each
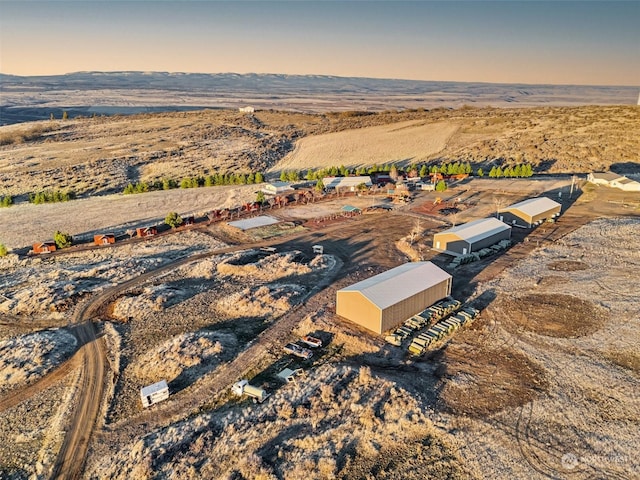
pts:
[311, 341]
[243, 388]
[298, 351]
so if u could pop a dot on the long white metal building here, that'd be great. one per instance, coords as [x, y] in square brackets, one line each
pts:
[471, 237]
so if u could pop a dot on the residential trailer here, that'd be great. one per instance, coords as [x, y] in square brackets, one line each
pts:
[471, 237]
[154, 393]
[105, 239]
[384, 301]
[44, 247]
[530, 212]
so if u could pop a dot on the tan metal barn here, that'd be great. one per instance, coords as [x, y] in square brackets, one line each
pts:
[384, 301]
[529, 212]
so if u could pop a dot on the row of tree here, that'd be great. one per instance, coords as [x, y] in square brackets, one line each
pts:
[196, 182]
[413, 170]
[51, 196]
[6, 201]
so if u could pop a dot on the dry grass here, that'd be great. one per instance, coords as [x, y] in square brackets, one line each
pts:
[402, 143]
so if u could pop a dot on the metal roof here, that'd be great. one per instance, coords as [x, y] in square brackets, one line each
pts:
[156, 387]
[350, 208]
[400, 283]
[333, 182]
[608, 176]
[533, 206]
[255, 222]
[478, 229]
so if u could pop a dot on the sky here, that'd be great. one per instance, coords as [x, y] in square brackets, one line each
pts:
[534, 42]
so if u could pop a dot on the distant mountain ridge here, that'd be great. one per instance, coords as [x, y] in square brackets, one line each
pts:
[36, 97]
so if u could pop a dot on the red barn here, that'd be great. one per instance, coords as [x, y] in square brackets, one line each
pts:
[105, 239]
[44, 247]
[146, 231]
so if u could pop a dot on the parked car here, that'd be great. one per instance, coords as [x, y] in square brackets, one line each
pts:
[311, 341]
[298, 351]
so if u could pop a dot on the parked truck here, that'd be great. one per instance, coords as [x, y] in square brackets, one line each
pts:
[243, 388]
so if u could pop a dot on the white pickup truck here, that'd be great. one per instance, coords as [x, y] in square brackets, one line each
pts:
[298, 351]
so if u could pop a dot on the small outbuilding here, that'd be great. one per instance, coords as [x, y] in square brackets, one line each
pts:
[146, 231]
[154, 393]
[278, 188]
[471, 237]
[44, 247]
[530, 212]
[384, 301]
[104, 239]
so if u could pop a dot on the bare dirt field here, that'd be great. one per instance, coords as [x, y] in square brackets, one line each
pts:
[401, 143]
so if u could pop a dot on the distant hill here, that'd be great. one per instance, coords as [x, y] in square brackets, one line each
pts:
[88, 93]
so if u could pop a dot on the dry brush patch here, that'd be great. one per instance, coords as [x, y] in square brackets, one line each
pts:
[341, 422]
[26, 358]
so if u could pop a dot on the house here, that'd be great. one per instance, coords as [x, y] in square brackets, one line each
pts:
[613, 180]
[277, 188]
[346, 183]
[384, 301]
[154, 393]
[104, 239]
[471, 237]
[44, 247]
[146, 231]
[529, 212]
[247, 109]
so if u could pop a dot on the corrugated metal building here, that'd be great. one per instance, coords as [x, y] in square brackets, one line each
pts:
[350, 183]
[529, 212]
[471, 237]
[382, 302]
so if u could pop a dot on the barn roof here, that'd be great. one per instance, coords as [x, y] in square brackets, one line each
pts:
[478, 229]
[533, 206]
[400, 283]
[255, 222]
[156, 387]
[332, 182]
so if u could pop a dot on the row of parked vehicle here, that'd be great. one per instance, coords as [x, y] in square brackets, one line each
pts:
[300, 351]
[441, 329]
[422, 320]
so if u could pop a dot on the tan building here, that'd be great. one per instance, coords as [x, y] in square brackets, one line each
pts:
[471, 237]
[384, 301]
[610, 179]
[530, 212]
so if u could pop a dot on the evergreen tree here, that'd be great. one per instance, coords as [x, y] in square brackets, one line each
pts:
[3, 250]
[173, 219]
[517, 172]
[499, 172]
[62, 239]
[441, 186]
[467, 168]
[260, 197]
[259, 177]
[480, 172]
[492, 172]
[283, 176]
[251, 178]
[319, 185]
[423, 171]
[127, 190]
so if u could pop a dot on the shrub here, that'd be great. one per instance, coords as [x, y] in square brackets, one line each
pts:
[62, 239]
[3, 250]
[173, 219]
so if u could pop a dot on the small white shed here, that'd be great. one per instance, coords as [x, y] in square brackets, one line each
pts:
[154, 393]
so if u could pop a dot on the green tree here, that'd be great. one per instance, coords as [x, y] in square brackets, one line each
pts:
[319, 185]
[283, 176]
[3, 250]
[480, 172]
[441, 186]
[260, 197]
[423, 171]
[6, 201]
[259, 177]
[499, 172]
[185, 183]
[467, 168]
[251, 178]
[173, 219]
[492, 172]
[62, 239]
[517, 172]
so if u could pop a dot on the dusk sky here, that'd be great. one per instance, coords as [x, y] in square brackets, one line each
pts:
[596, 43]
